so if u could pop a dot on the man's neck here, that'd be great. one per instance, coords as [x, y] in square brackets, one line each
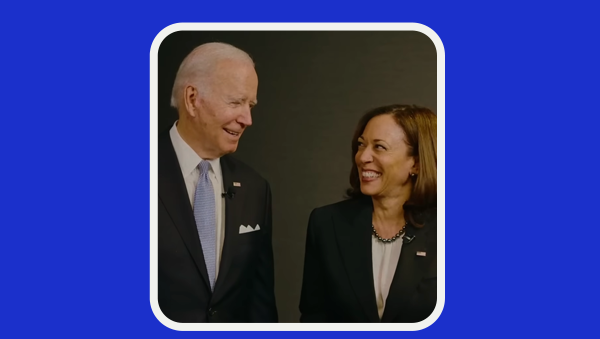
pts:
[187, 135]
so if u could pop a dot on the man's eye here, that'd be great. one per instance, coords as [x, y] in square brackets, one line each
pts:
[380, 147]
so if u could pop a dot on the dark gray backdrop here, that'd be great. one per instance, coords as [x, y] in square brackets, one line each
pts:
[313, 88]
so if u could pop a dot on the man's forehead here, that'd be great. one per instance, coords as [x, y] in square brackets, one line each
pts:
[228, 64]
[228, 71]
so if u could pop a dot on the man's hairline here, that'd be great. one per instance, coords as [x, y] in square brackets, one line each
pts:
[207, 78]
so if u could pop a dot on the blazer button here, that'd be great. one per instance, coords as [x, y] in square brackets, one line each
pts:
[212, 312]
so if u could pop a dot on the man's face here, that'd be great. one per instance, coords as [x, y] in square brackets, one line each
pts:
[223, 108]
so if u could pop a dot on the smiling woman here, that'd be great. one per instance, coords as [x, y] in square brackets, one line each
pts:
[405, 145]
[355, 268]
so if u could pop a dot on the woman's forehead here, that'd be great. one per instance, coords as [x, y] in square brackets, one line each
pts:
[383, 127]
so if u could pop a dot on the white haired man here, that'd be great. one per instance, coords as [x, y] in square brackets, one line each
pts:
[215, 255]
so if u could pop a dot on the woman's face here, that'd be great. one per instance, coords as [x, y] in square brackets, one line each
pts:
[384, 165]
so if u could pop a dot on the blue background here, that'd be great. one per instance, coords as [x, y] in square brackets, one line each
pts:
[521, 162]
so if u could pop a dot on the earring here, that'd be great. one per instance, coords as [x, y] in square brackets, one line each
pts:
[412, 174]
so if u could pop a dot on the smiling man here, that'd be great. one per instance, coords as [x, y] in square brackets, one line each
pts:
[215, 256]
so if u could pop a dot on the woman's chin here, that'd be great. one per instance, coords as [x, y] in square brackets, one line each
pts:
[370, 191]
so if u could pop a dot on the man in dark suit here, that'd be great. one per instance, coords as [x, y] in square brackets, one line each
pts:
[215, 256]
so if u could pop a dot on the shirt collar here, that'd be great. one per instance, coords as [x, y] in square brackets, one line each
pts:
[188, 159]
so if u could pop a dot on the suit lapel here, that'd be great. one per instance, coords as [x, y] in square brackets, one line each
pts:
[173, 194]
[354, 239]
[233, 215]
[409, 272]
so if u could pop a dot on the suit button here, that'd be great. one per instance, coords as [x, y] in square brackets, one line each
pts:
[212, 312]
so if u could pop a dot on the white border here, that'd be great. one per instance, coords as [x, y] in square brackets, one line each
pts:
[154, 173]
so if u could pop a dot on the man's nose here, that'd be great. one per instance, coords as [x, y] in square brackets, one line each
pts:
[246, 116]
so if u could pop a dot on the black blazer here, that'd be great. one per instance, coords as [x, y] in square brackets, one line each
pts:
[244, 290]
[338, 268]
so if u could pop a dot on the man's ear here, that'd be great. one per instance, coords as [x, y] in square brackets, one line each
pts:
[190, 97]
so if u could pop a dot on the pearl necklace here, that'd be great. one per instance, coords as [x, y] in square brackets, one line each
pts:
[392, 239]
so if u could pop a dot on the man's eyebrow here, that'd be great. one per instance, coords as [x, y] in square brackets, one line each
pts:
[242, 99]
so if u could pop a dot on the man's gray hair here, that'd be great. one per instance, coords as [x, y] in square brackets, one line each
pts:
[197, 67]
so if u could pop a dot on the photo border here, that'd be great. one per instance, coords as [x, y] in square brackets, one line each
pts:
[154, 175]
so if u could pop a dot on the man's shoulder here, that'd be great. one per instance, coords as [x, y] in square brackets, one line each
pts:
[241, 168]
[164, 138]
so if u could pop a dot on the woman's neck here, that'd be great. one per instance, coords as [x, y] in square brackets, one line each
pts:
[388, 213]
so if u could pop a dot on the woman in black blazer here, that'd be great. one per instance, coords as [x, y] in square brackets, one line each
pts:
[372, 257]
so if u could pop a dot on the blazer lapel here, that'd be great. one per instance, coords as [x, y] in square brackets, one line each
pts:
[409, 272]
[233, 215]
[173, 194]
[354, 239]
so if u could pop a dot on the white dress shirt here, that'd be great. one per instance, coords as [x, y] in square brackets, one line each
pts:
[188, 162]
[385, 261]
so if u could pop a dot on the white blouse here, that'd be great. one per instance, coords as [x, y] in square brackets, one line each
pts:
[385, 261]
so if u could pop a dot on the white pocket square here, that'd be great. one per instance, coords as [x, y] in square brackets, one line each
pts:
[247, 229]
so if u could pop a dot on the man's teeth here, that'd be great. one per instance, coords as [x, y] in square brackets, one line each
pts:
[370, 174]
[232, 133]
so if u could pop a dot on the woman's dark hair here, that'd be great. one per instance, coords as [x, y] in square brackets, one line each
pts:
[420, 128]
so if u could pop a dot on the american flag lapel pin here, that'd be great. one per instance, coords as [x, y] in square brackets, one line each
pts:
[236, 184]
[421, 253]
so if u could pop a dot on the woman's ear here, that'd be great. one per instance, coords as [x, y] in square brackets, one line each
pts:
[415, 168]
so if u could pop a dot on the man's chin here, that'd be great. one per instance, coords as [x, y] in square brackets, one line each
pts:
[229, 148]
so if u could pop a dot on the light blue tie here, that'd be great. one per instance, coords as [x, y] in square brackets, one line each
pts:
[204, 213]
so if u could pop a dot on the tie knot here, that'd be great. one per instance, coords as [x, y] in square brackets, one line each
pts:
[204, 167]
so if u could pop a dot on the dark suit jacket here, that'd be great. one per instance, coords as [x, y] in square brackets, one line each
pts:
[338, 268]
[244, 290]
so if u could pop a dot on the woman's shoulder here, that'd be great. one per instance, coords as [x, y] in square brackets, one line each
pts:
[343, 206]
[427, 216]
[322, 219]
[345, 211]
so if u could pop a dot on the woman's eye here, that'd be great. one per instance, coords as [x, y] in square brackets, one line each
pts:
[380, 147]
